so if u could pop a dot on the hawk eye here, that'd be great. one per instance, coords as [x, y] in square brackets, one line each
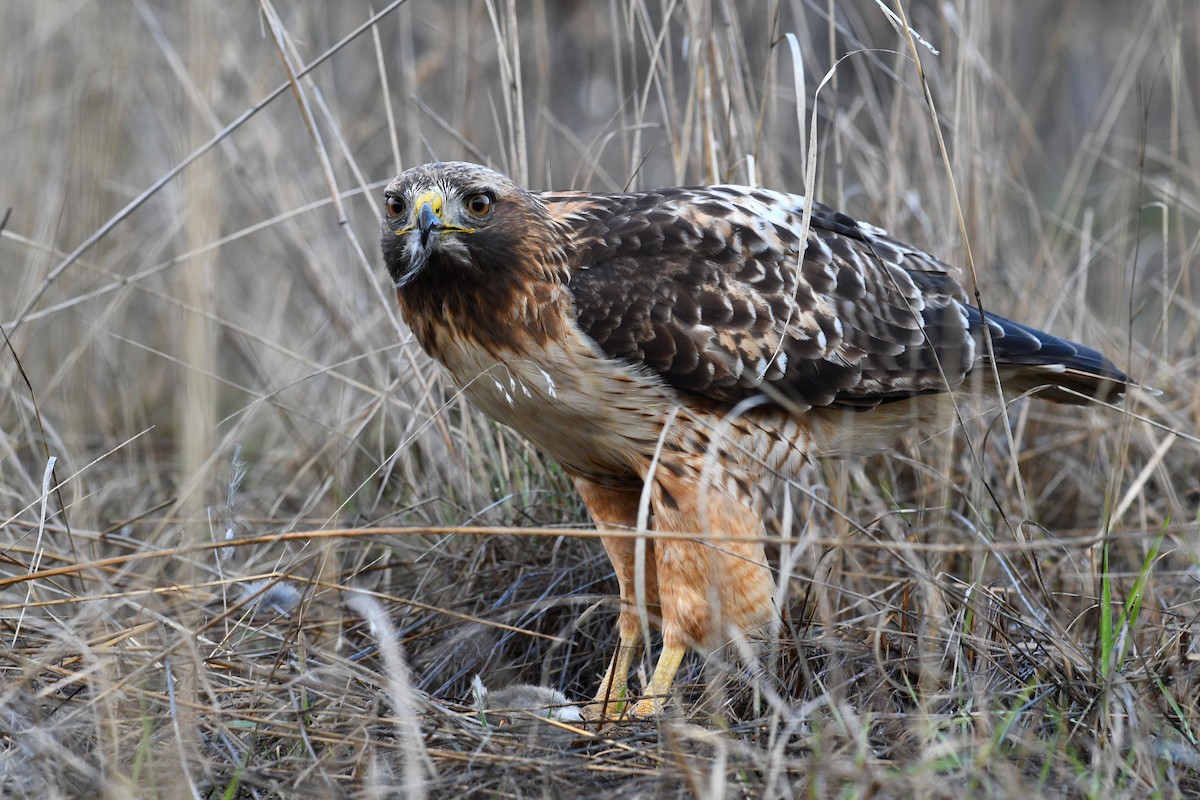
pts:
[394, 206]
[480, 205]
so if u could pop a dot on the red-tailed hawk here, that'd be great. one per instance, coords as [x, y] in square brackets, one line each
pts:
[683, 344]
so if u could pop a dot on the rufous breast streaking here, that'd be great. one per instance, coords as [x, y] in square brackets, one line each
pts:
[682, 343]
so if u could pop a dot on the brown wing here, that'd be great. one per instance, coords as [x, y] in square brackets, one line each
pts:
[706, 287]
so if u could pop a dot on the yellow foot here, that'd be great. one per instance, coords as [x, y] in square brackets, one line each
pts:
[598, 712]
[611, 703]
[643, 709]
[650, 707]
[607, 705]
[659, 689]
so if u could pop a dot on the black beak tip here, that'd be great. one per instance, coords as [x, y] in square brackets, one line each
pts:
[427, 222]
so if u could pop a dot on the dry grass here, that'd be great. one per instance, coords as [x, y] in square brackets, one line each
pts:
[216, 361]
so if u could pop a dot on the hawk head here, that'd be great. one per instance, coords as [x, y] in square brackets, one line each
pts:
[451, 225]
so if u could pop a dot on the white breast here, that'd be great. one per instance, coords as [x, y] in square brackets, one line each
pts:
[590, 413]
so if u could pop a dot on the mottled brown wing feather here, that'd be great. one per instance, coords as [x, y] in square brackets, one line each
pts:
[701, 285]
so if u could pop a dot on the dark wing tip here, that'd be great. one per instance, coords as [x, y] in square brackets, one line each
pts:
[1034, 359]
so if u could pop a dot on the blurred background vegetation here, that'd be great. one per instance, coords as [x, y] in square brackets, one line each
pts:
[190, 269]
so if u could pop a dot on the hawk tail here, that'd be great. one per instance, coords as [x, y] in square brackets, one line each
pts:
[1053, 368]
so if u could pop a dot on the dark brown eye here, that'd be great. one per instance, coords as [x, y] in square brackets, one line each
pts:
[479, 204]
[394, 206]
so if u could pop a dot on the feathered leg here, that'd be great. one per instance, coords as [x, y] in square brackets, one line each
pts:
[616, 509]
[711, 588]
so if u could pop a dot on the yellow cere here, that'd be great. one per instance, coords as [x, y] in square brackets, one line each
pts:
[431, 196]
[434, 198]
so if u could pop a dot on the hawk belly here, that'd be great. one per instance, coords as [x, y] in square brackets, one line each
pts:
[601, 419]
[597, 417]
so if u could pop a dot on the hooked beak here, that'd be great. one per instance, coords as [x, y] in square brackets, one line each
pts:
[427, 222]
[429, 215]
